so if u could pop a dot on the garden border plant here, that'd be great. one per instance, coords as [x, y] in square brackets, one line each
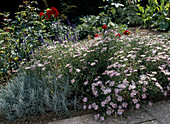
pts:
[123, 79]
[20, 38]
[117, 68]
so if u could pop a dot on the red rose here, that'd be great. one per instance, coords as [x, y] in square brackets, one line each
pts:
[49, 14]
[55, 12]
[6, 29]
[96, 35]
[41, 14]
[126, 32]
[104, 27]
[118, 35]
[5, 18]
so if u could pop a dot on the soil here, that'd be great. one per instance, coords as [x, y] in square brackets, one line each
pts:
[43, 119]
[51, 116]
[145, 30]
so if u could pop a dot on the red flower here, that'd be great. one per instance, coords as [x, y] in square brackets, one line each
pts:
[104, 27]
[97, 35]
[6, 29]
[49, 14]
[126, 32]
[55, 12]
[41, 14]
[118, 35]
[5, 18]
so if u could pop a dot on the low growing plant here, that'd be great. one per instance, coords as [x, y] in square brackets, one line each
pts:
[115, 70]
[113, 73]
[28, 95]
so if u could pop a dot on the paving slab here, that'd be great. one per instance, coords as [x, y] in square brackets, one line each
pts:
[151, 122]
[84, 119]
[160, 111]
[135, 116]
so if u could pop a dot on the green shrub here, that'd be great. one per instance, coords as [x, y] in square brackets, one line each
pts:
[123, 12]
[91, 25]
[156, 14]
[20, 38]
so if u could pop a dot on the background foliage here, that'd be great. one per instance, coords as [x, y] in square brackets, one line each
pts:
[156, 14]
[20, 37]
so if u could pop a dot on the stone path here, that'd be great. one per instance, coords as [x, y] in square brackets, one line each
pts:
[158, 113]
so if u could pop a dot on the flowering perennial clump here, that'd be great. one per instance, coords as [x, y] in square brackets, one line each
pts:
[112, 74]
[117, 73]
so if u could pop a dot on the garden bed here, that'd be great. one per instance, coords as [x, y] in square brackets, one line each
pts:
[50, 70]
[50, 116]
[134, 30]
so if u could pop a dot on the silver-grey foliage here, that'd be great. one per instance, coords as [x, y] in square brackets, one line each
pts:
[27, 94]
